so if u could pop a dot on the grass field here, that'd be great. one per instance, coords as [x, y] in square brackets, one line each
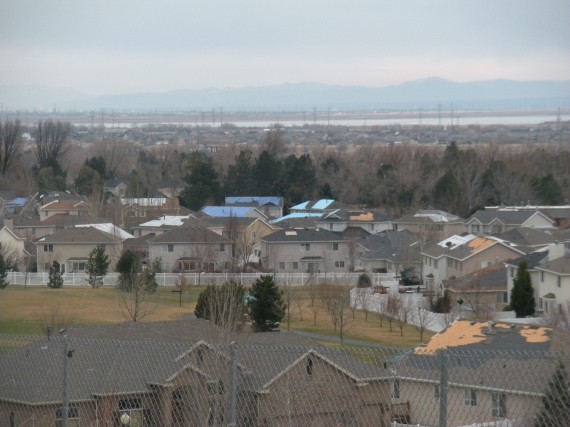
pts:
[27, 310]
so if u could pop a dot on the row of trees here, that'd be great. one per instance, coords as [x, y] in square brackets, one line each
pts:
[400, 178]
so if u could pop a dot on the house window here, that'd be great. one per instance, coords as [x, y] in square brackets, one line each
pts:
[48, 248]
[339, 264]
[134, 409]
[292, 266]
[502, 298]
[309, 366]
[559, 284]
[281, 266]
[78, 266]
[168, 248]
[475, 228]
[436, 392]
[72, 417]
[305, 247]
[435, 263]
[512, 272]
[102, 247]
[486, 264]
[499, 405]
[395, 389]
[333, 246]
[542, 276]
[449, 263]
[222, 247]
[470, 397]
[215, 387]
[295, 266]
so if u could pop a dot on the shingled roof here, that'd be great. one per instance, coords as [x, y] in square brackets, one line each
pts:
[292, 235]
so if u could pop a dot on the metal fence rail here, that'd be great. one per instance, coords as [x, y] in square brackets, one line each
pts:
[194, 279]
[74, 381]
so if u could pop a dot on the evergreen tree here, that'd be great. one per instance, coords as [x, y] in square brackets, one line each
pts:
[55, 279]
[266, 174]
[202, 183]
[522, 294]
[364, 281]
[239, 180]
[267, 307]
[3, 273]
[97, 266]
[555, 409]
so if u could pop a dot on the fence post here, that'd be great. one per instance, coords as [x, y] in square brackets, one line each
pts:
[443, 386]
[233, 391]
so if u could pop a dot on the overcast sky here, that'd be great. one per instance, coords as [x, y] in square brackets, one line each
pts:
[120, 46]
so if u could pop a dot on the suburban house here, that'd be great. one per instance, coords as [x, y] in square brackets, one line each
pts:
[370, 220]
[554, 285]
[12, 248]
[549, 270]
[244, 233]
[460, 255]
[482, 293]
[181, 373]
[430, 225]
[387, 252]
[64, 207]
[190, 248]
[71, 248]
[115, 188]
[133, 209]
[270, 206]
[484, 384]
[300, 250]
[497, 220]
[559, 214]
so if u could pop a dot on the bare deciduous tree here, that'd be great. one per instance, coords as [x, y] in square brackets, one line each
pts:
[50, 138]
[9, 133]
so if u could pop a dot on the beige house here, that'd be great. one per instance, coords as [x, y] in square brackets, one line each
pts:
[65, 207]
[12, 248]
[460, 255]
[302, 250]
[71, 248]
[430, 225]
[496, 220]
[191, 248]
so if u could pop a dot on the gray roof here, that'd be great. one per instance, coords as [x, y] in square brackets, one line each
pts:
[79, 235]
[126, 358]
[190, 234]
[506, 216]
[292, 235]
[390, 245]
[533, 259]
[526, 236]
[493, 278]
[560, 266]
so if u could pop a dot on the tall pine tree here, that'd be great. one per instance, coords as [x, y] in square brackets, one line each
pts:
[266, 305]
[522, 294]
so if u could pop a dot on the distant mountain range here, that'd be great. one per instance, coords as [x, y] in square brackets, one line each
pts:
[426, 93]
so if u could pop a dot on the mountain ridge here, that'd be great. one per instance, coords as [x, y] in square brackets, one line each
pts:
[423, 93]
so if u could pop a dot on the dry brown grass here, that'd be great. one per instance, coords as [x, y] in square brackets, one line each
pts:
[29, 310]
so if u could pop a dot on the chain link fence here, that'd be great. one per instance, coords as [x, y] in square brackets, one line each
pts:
[73, 381]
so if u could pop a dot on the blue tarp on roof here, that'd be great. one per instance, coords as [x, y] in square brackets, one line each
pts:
[259, 200]
[322, 204]
[296, 215]
[226, 211]
[18, 201]
[300, 206]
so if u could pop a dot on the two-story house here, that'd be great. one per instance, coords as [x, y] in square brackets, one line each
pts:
[190, 248]
[270, 206]
[430, 226]
[71, 248]
[370, 220]
[299, 250]
[496, 220]
[460, 255]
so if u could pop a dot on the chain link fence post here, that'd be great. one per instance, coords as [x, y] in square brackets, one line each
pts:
[443, 387]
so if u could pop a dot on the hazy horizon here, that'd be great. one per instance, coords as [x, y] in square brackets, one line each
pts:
[108, 47]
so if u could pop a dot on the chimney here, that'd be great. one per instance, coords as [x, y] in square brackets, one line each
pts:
[555, 251]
